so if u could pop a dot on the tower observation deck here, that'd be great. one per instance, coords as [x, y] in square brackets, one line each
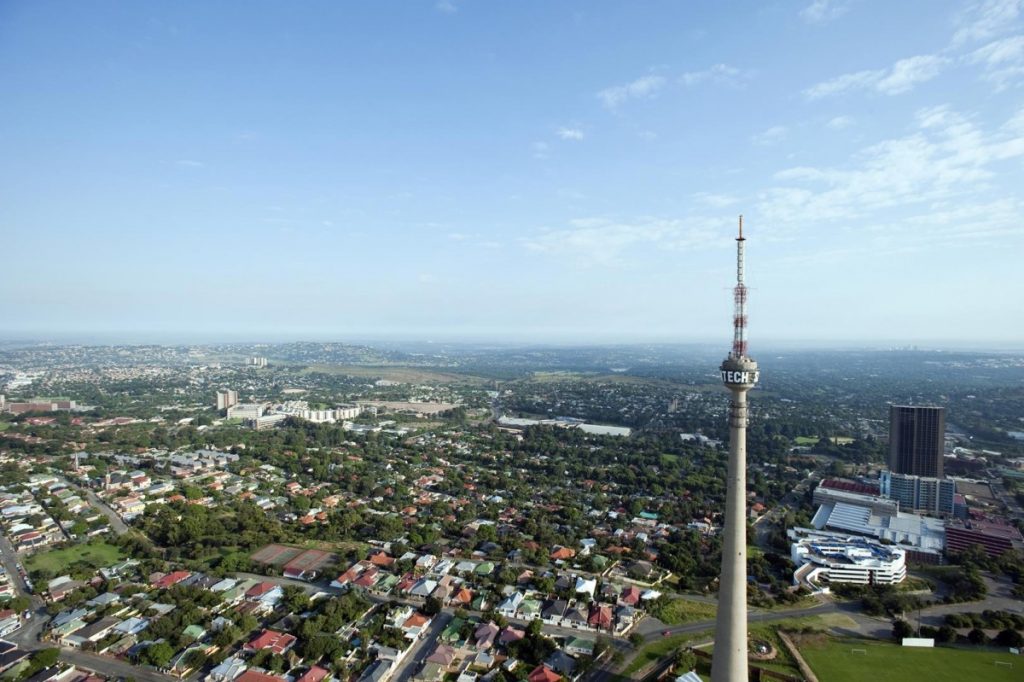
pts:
[739, 374]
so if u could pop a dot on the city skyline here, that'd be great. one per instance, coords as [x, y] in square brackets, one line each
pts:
[566, 174]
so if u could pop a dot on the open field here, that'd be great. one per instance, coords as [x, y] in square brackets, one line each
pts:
[680, 611]
[421, 408]
[404, 375]
[839, 660]
[813, 440]
[57, 561]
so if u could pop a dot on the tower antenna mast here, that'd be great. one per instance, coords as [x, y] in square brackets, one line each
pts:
[739, 294]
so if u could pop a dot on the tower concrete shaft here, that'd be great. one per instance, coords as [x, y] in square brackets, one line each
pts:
[730, 660]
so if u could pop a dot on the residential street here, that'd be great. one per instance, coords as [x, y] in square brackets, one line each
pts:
[116, 523]
[422, 648]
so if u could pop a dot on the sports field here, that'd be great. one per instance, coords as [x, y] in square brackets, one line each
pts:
[840, 660]
[57, 561]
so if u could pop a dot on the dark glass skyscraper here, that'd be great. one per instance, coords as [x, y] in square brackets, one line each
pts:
[916, 439]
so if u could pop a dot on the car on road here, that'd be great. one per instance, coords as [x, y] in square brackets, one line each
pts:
[666, 633]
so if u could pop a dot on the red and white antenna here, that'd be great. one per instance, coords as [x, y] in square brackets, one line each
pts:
[739, 317]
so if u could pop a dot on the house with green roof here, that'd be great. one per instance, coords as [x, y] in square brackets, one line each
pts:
[530, 608]
[194, 631]
[452, 633]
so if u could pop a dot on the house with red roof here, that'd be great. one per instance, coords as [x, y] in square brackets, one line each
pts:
[314, 674]
[257, 676]
[266, 593]
[542, 673]
[560, 553]
[600, 617]
[382, 559]
[277, 642]
[171, 579]
[630, 595]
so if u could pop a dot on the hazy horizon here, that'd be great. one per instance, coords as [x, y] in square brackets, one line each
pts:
[764, 346]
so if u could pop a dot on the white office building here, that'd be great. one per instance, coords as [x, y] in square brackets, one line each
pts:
[246, 411]
[826, 558]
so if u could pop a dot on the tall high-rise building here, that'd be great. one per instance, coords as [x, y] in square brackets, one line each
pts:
[226, 399]
[739, 374]
[919, 493]
[916, 440]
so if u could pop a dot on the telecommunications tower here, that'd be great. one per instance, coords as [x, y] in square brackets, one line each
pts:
[739, 374]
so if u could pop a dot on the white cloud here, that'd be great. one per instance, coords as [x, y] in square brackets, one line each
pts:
[1002, 59]
[985, 20]
[189, 163]
[570, 133]
[446, 7]
[906, 73]
[840, 84]
[641, 88]
[947, 159]
[601, 241]
[902, 76]
[719, 73]
[540, 150]
[840, 123]
[771, 136]
[714, 200]
[823, 11]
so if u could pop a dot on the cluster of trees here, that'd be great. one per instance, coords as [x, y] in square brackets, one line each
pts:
[198, 533]
[880, 600]
[987, 619]
[948, 634]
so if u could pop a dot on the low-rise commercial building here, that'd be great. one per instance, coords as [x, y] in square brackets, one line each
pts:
[826, 558]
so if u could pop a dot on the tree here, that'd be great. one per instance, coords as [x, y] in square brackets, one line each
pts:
[636, 639]
[534, 629]
[901, 629]
[19, 603]
[946, 634]
[45, 658]
[977, 636]
[159, 655]
[685, 660]
[431, 606]
[295, 599]
[1009, 638]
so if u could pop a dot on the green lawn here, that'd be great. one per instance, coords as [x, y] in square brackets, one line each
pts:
[5, 425]
[835, 660]
[57, 561]
[659, 648]
[685, 611]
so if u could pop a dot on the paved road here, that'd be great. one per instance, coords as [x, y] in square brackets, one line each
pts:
[116, 523]
[113, 667]
[27, 636]
[411, 663]
[10, 561]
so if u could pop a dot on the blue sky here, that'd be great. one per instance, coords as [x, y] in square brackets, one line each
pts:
[527, 171]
